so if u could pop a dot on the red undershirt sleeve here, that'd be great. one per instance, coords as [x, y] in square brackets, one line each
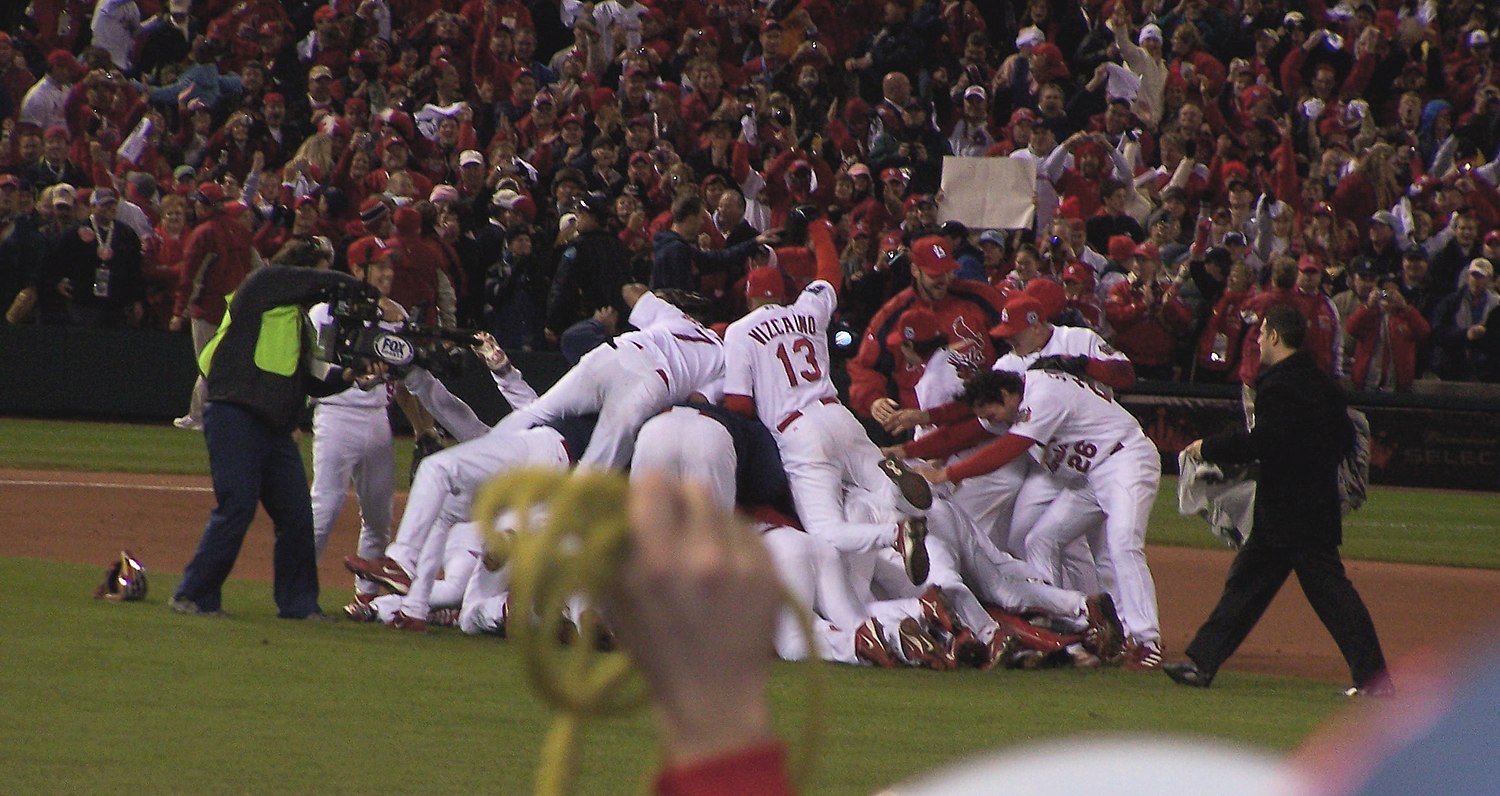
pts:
[990, 458]
[1116, 373]
[948, 440]
[950, 413]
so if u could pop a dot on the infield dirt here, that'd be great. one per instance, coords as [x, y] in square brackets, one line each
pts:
[88, 517]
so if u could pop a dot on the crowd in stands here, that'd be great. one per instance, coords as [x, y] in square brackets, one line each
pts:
[1197, 161]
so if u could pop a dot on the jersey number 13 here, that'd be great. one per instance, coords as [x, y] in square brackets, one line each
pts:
[803, 349]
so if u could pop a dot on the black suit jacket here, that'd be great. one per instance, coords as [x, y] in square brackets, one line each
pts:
[1302, 433]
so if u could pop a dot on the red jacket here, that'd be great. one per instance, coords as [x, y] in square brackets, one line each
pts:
[1255, 309]
[1228, 319]
[1407, 330]
[215, 260]
[968, 312]
[1325, 338]
[1147, 330]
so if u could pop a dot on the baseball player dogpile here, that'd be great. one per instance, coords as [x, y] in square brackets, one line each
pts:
[1009, 533]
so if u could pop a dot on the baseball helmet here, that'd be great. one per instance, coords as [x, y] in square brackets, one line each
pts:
[125, 580]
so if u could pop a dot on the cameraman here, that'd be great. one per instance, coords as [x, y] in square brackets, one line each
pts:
[258, 381]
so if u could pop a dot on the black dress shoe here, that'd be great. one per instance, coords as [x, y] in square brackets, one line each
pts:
[1188, 674]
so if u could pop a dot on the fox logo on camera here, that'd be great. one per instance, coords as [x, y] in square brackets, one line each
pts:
[394, 350]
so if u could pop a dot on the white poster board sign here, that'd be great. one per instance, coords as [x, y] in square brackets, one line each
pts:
[988, 193]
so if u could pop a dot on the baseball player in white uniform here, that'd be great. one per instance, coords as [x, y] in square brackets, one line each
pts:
[631, 378]
[352, 435]
[777, 368]
[1006, 503]
[1084, 354]
[1114, 469]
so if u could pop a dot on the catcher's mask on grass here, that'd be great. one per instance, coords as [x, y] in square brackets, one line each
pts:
[125, 580]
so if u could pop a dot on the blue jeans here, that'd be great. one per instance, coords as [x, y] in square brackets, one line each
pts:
[252, 463]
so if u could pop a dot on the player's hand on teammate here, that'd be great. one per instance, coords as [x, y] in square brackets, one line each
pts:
[934, 475]
[882, 409]
[693, 570]
[904, 420]
[1194, 450]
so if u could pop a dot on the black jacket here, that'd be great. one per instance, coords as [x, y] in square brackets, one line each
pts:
[589, 275]
[1302, 433]
[244, 368]
[673, 258]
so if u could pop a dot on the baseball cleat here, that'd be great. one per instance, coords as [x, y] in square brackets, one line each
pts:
[1142, 657]
[911, 542]
[1001, 649]
[869, 646]
[410, 624]
[443, 617]
[1105, 636]
[969, 651]
[1081, 658]
[1188, 673]
[362, 609]
[1027, 660]
[384, 571]
[936, 611]
[914, 488]
[919, 647]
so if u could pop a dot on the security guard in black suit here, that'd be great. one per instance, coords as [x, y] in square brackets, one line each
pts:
[1302, 433]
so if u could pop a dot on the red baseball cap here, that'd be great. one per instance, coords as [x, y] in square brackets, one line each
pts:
[916, 200]
[210, 193]
[894, 173]
[1078, 272]
[1310, 262]
[1022, 312]
[931, 254]
[916, 325]
[1025, 115]
[1050, 294]
[765, 282]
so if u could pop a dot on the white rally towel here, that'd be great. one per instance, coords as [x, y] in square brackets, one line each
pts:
[134, 144]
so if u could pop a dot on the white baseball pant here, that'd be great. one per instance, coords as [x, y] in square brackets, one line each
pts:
[1038, 492]
[625, 386]
[353, 443]
[1120, 490]
[443, 491]
[691, 446]
[821, 450]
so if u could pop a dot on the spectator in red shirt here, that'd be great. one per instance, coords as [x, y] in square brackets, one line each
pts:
[1147, 316]
[966, 310]
[1386, 332]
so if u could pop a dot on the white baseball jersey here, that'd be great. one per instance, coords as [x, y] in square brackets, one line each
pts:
[778, 354]
[692, 357]
[1076, 422]
[1070, 341]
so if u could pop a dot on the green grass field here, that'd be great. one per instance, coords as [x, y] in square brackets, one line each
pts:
[106, 695]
